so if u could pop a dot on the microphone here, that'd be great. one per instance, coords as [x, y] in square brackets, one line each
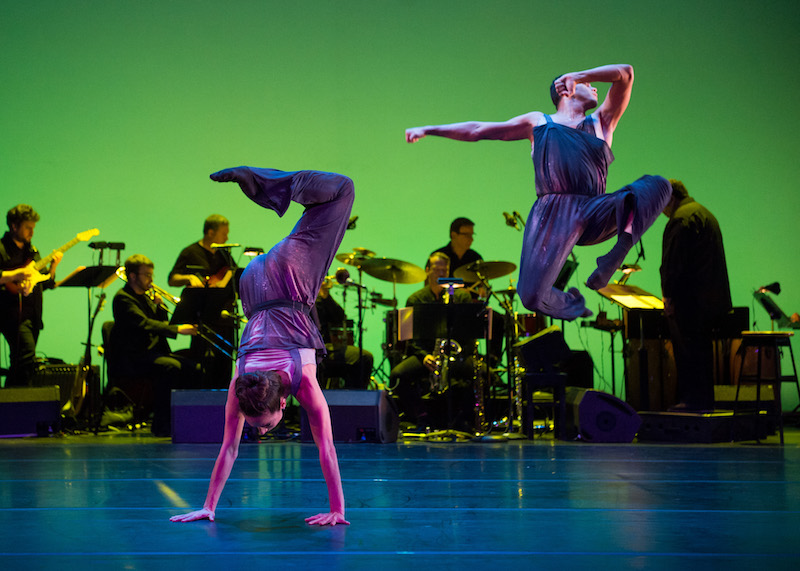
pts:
[343, 277]
[225, 245]
[774, 287]
[351, 224]
[511, 220]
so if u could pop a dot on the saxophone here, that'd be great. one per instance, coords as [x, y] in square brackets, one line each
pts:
[444, 351]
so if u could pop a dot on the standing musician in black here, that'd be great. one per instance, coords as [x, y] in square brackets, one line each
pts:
[203, 264]
[21, 307]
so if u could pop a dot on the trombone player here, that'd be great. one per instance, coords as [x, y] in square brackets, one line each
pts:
[138, 344]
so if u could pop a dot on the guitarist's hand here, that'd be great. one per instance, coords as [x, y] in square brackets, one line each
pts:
[27, 277]
[57, 256]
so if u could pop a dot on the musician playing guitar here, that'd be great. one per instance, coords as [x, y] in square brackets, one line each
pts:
[201, 265]
[21, 309]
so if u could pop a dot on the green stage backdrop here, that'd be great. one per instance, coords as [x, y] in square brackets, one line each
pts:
[114, 113]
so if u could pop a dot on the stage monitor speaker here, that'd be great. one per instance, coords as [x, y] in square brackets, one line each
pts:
[25, 411]
[595, 416]
[198, 416]
[358, 416]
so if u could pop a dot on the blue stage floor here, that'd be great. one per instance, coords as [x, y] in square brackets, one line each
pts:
[104, 502]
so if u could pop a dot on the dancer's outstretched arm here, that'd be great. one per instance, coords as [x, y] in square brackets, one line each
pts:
[234, 423]
[313, 401]
[514, 129]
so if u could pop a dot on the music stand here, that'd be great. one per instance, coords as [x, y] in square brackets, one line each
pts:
[199, 306]
[461, 322]
[632, 297]
[91, 277]
[430, 321]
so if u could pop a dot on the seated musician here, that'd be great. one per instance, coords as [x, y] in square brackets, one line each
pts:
[342, 359]
[199, 265]
[21, 307]
[138, 344]
[411, 378]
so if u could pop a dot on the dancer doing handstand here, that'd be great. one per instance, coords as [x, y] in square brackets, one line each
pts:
[571, 154]
[278, 352]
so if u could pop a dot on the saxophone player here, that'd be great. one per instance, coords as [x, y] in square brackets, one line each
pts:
[410, 379]
[138, 345]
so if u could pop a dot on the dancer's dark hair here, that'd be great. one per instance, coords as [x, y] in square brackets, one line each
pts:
[259, 392]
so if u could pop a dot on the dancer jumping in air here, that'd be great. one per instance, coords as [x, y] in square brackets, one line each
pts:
[571, 153]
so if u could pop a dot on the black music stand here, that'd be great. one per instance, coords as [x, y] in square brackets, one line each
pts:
[630, 298]
[431, 321]
[91, 277]
[199, 306]
[461, 322]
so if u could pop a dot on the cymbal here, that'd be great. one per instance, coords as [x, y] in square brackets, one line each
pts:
[489, 270]
[396, 271]
[356, 257]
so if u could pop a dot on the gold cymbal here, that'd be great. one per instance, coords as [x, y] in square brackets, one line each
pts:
[487, 270]
[356, 257]
[396, 271]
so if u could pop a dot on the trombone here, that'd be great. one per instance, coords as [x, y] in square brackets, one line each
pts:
[153, 291]
[204, 331]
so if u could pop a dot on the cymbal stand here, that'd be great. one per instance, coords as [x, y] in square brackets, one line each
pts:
[360, 287]
[514, 371]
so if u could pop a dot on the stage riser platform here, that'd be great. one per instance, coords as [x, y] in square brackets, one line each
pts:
[688, 428]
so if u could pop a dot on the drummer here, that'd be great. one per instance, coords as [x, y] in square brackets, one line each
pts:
[411, 377]
[459, 250]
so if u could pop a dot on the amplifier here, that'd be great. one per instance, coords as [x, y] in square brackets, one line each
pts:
[25, 411]
[66, 376]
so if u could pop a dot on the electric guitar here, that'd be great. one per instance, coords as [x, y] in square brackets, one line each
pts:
[27, 285]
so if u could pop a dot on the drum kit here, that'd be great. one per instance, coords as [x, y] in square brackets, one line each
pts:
[477, 276]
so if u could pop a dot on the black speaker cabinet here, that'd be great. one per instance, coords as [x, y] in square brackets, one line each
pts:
[25, 411]
[595, 416]
[358, 416]
[198, 416]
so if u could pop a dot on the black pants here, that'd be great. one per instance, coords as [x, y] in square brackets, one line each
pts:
[694, 361]
[346, 364]
[155, 376]
[450, 408]
[22, 350]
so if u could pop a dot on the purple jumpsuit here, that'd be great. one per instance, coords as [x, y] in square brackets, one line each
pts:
[572, 208]
[279, 288]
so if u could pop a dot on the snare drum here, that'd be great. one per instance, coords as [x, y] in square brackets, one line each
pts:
[530, 323]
